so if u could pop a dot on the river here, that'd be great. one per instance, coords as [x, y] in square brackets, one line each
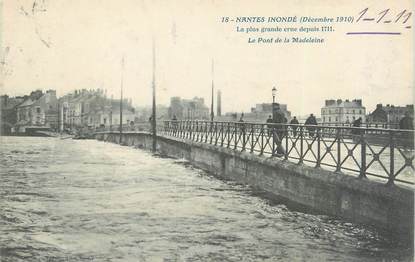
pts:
[84, 200]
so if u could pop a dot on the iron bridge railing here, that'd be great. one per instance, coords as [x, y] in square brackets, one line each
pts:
[383, 154]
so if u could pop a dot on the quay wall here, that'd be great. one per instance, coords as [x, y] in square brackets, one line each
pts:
[358, 200]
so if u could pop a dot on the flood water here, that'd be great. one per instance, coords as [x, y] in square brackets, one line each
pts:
[84, 200]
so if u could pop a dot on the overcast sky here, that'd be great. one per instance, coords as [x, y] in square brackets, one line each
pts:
[67, 45]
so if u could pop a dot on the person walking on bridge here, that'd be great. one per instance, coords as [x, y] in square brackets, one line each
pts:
[269, 124]
[407, 122]
[278, 133]
[241, 120]
[294, 122]
[310, 122]
[174, 124]
[241, 125]
[356, 132]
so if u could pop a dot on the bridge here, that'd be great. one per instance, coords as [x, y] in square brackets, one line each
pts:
[382, 153]
[361, 174]
[385, 155]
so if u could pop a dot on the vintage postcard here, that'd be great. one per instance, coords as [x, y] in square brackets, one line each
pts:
[208, 130]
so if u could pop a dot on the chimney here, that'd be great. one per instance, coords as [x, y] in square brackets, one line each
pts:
[329, 102]
[219, 103]
[6, 98]
[339, 101]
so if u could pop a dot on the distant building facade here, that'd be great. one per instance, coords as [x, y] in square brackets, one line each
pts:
[262, 111]
[81, 109]
[342, 112]
[194, 108]
[259, 113]
[390, 114]
[144, 113]
[8, 113]
[91, 108]
[38, 110]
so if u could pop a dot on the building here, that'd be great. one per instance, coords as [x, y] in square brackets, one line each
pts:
[262, 111]
[38, 110]
[342, 112]
[144, 113]
[86, 109]
[389, 114]
[259, 113]
[194, 108]
[8, 113]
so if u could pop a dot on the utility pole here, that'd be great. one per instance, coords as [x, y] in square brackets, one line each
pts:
[60, 119]
[212, 114]
[122, 83]
[111, 113]
[153, 118]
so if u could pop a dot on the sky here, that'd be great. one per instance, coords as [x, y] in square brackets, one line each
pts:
[67, 45]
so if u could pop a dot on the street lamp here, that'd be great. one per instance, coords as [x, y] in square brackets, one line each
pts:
[274, 105]
[274, 93]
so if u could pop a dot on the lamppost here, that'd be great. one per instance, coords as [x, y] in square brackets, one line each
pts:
[274, 105]
[110, 120]
[212, 114]
[274, 93]
[121, 96]
[154, 115]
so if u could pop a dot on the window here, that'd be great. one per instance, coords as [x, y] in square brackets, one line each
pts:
[329, 119]
[354, 118]
[38, 110]
[360, 111]
[337, 119]
[324, 119]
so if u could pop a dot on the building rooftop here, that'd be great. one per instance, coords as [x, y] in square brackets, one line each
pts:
[28, 102]
[344, 103]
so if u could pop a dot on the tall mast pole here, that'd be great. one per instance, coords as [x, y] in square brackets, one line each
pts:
[111, 113]
[212, 114]
[153, 118]
[122, 83]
